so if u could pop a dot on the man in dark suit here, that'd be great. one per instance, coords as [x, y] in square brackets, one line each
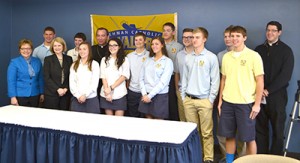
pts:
[100, 50]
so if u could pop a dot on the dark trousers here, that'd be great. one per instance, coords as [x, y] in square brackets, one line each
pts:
[173, 107]
[133, 101]
[32, 101]
[274, 112]
[57, 102]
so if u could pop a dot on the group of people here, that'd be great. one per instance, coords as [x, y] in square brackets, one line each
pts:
[170, 81]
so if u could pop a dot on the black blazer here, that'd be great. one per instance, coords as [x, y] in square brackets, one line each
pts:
[52, 74]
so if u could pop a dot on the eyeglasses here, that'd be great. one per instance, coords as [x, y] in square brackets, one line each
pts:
[188, 37]
[25, 49]
[272, 30]
[114, 45]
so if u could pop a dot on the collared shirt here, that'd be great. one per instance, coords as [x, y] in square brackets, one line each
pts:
[173, 48]
[41, 52]
[73, 53]
[84, 81]
[136, 61]
[179, 63]
[240, 72]
[201, 75]
[155, 76]
[111, 73]
[220, 56]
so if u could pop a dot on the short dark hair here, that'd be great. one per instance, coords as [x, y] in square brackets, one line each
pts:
[80, 35]
[140, 34]
[276, 23]
[187, 30]
[170, 25]
[49, 29]
[102, 28]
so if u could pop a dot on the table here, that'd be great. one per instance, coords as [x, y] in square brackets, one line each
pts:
[50, 136]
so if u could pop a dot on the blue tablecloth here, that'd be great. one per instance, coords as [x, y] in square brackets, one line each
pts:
[21, 141]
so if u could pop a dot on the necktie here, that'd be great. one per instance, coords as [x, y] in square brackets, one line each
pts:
[30, 69]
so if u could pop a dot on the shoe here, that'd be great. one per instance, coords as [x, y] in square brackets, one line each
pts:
[208, 161]
[222, 160]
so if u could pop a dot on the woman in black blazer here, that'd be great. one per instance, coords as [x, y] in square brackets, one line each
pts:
[56, 76]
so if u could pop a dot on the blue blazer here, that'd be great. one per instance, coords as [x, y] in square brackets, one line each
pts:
[19, 82]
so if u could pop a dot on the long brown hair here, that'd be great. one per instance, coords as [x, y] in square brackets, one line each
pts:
[163, 50]
[89, 60]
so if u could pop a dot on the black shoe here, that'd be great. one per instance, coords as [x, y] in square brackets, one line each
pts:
[208, 161]
[222, 160]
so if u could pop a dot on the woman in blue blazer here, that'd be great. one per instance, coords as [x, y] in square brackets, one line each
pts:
[56, 76]
[25, 78]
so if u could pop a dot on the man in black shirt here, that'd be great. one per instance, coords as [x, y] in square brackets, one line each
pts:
[278, 63]
[100, 50]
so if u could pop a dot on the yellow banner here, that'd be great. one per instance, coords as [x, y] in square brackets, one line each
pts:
[125, 27]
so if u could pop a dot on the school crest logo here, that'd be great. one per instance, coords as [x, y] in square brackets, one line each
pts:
[144, 58]
[243, 62]
[174, 50]
[158, 65]
[201, 63]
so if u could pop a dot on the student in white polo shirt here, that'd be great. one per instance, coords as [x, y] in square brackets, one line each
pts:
[114, 72]
[84, 78]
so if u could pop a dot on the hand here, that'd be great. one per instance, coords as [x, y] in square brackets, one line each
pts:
[108, 97]
[61, 91]
[146, 99]
[42, 98]
[219, 106]
[255, 111]
[107, 91]
[265, 93]
[14, 101]
[82, 99]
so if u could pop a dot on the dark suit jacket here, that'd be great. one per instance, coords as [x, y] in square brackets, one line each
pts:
[52, 74]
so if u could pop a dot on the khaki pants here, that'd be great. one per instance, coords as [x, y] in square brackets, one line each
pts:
[200, 111]
[180, 107]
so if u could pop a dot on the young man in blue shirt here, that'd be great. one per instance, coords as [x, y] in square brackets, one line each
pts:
[200, 86]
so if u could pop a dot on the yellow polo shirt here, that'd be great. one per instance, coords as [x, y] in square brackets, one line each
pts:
[240, 72]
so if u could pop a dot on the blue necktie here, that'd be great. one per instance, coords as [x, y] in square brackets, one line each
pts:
[30, 69]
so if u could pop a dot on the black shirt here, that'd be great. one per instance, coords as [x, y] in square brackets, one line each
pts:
[99, 52]
[278, 61]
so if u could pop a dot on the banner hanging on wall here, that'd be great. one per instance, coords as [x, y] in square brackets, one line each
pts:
[125, 27]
